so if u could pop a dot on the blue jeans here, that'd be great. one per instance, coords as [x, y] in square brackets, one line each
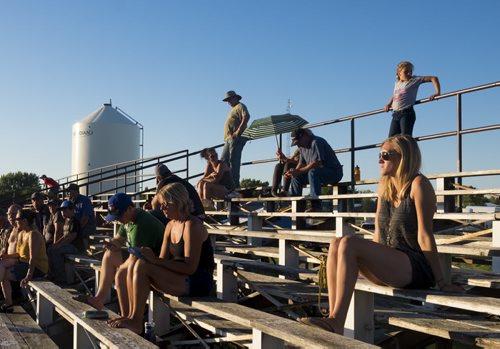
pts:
[402, 122]
[231, 154]
[315, 178]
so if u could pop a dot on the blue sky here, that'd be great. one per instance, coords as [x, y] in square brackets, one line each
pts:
[168, 64]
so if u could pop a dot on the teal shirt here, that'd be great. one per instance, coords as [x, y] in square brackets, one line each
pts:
[146, 231]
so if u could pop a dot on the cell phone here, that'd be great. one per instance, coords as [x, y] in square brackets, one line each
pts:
[96, 314]
[134, 251]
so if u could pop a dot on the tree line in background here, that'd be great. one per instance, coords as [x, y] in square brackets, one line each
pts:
[17, 186]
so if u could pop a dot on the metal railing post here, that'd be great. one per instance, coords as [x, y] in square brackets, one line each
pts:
[353, 155]
[459, 145]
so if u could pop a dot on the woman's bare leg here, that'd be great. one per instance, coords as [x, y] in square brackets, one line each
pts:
[122, 289]
[199, 189]
[331, 272]
[110, 263]
[6, 286]
[383, 265]
[215, 191]
[144, 275]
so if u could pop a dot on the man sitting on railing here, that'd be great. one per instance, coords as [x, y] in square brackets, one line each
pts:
[52, 186]
[317, 165]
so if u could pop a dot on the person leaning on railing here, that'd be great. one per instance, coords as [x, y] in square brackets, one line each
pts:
[404, 97]
[403, 252]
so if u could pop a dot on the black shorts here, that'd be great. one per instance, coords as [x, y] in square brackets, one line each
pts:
[20, 269]
[199, 284]
[422, 276]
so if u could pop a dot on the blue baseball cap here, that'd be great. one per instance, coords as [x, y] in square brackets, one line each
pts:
[117, 205]
[66, 204]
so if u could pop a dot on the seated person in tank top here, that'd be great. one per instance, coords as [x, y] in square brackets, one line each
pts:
[184, 267]
[217, 180]
[30, 256]
[403, 252]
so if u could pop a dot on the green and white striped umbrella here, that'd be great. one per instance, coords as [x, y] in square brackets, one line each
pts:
[273, 125]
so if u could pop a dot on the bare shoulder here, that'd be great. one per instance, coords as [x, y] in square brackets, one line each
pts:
[421, 186]
[421, 181]
[195, 229]
[194, 223]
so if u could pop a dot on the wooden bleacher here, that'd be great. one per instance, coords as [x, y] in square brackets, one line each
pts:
[297, 287]
[51, 299]
[254, 231]
[19, 330]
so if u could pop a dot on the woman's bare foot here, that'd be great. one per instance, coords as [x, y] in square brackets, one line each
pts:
[96, 303]
[328, 324]
[127, 323]
[110, 321]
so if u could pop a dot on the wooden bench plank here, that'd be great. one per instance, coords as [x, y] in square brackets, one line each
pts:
[7, 339]
[475, 248]
[371, 195]
[296, 291]
[210, 322]
[288, 330]
[73, 311]
[475, 278]
[463, 329]
[82, 259]
[26, 331]
[256, 266]
[473, 303]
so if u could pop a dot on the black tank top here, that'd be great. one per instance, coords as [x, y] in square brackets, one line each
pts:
[176, 252]
[398, 227]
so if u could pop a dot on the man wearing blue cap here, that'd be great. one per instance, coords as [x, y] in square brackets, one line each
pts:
[84, 211]
[138, 229]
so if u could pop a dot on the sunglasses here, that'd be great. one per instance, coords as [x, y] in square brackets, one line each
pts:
[386, 155]
[19, 218]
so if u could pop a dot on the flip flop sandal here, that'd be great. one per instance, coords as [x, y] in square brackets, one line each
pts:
[318, 322]
[83, 298]
[7, 308]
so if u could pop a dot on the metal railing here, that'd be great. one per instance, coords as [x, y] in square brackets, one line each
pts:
[459, 132]
[186, 154]
[133, 171]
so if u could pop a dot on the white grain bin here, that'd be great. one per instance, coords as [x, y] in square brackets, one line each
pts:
[103, 138]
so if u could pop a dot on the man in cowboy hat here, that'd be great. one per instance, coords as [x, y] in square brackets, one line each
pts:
[236, 123]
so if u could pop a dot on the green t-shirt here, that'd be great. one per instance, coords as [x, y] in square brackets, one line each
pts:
[146, 231]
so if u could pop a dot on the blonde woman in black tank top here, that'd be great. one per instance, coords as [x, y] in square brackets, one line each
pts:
[185, 264]
[403, 251]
